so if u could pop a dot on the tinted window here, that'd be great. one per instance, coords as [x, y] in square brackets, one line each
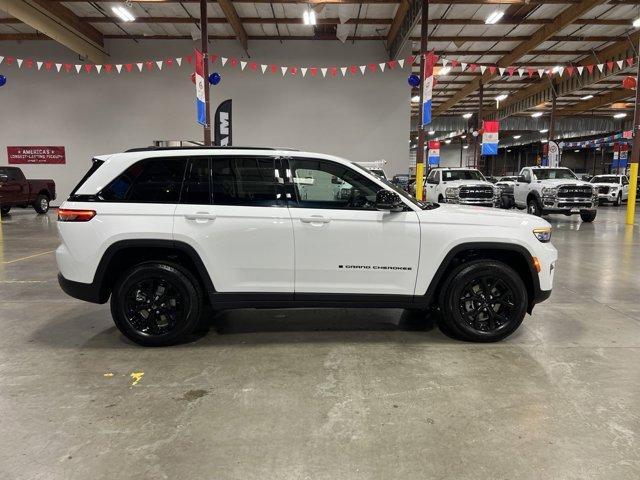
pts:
[196, 189]
[155, 180]
[12, 174]
[247, 181]
[323, 184]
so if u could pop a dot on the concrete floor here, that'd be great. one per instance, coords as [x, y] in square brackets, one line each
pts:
[328, 394]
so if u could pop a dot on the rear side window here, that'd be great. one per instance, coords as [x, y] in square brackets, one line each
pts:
[95, 165]
[156, 180]
[196, 189]
[249, 181]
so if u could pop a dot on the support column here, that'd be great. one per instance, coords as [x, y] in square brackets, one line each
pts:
[424, 47]
[478, 151]
[552, 118]
[205, 60]
[635, 156]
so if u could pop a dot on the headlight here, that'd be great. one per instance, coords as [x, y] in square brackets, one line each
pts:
[549, 192]
[452, 191]
[543, 234]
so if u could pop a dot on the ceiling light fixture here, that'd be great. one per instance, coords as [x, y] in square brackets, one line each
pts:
[516, 137]
[123, 14]
[431, 132]
[636, 23]
[465, 146]
[309, 17]
[444, 70]
[577, 150]
[501, 97]
[620, 115]
[587, 97]
[494, 17]
[447, 141]
[467, 115]
[544, 140]
[544, 130]
[536, 115]
[415, 98]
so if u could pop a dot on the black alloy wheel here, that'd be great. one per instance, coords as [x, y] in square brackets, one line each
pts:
[154, 306]
[486, 303]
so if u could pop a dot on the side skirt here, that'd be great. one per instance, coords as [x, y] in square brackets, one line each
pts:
[314, 300]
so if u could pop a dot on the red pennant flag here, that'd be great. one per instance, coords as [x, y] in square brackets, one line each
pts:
[590, 68]
[108, 67]
[253, 66]
[28, 62]
[169, 62]
[454, 63]
[48, 64]
[213, 58]
[274, 68]
[570, 70]
[473, 67]
[313, 71]
[353, 69]
[189, 58]
[372, 67]
[492, 69]
[411, 59]
[88, 67]
[630, 61]
[9, 60]
[234, 62]
[67, 67]
[333, 71]
[530, 72]
[610, 65]
[293, 70]
[129, 67]
[149, 64]
[392, 64]
[511, 70]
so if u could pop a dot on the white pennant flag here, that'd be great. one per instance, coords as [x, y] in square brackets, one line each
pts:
[179, 61]
[620, 63]
[242, 65]
[382, 65]
[264, 68]
[39, 64]
[98, 68]
[501, 70]
[159, 64]
[224, 60]
[324, 72]
[520, 71]
[343, 70]
[139, 66]
[560, 70]
[401, 62]
[363, 68]
[304, 71]
[1, 58]
[580, 69]
[78, 67]
[600, 67]
[284, 70]
[19, 60]
[463, 66]
[541, 72]
[444, 62]
[483, 68]
[119, 67]
[58, 67]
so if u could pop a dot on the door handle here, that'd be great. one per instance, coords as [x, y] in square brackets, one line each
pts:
[200, 216]
[315, 219]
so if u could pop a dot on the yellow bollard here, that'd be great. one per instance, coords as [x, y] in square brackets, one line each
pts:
[633, 185]
[419, 181]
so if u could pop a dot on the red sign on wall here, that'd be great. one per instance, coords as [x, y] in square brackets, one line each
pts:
[20, 155]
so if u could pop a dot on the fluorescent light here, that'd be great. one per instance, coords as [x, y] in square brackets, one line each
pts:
[467, 115]
[555, 69]
[636, 23]
[516, 137]
[444, 70]
[544, 140]
[309, 17]
[312, 17]
[415, 98]
[577, 150]
[499, 98]
[544, 130]
[447, 141]
[587, 97]
[620, 115]
[465, 146]
[536, 115]
[123, 14]
[494, 17]
[431, 132]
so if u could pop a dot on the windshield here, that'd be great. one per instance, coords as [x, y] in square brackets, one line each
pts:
[605, 179]
[508, 179]
[449, 175]
[553, 173]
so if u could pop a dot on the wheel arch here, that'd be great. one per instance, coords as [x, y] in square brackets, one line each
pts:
[45, 192]
[533, 194]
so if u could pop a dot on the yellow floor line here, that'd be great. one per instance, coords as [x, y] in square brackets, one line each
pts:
[27, 258]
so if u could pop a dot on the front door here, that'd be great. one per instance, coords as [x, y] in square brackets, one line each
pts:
[521, 189]
[343, 244]
[233, 213]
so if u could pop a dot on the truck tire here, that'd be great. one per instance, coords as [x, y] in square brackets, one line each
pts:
[483, 301]
[440, 199]
[5, 210]
[588, 215]
[41, 205]
[534, 207]
[618, 200]
[157, 304]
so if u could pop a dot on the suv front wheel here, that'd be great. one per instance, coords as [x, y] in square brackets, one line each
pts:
[157, 304]
[483, 301]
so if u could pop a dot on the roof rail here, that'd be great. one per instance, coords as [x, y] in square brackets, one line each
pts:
[200, 147]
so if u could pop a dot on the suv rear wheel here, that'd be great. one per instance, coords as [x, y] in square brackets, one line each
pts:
[156, 304]
[483, 301]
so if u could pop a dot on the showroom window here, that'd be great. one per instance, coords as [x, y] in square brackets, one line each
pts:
[248, 181]
[323, 184]
[155, 180]
[196, 188]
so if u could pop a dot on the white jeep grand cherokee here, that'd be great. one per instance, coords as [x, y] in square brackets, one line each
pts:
[168, 232]
[465, 186]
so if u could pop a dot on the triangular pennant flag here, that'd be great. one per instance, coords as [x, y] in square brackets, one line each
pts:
[264, 68]
[128, 67]
[119, 67]
[253, 66]
[98, 68]
[78, 68]
[313, 71]
[243, 65]
[382, 65]
[372, 67]
[343, 70]
[324, 72]
[159, 64]
[590, 68]
[401, 62]
[580, 69]
[304, 71]
[520, 71]
[139, 65]
[473, 67]
[570, 70]
[445, 62]
[501, 70]
[9, 60]
[293, 71]
[149, 64]
[88, 67]
[29, 63]
[223, 60]
[333, 71]
[482, 69]
[189, 58]
[169, 62]
[273, 68]
[392, 64]
[463, 66]
[541, 72]
[58, 67]
[1, 58]
[353, 69]
[19, 62]
[233, 62]
[47, 65]
[179, 61]
[454, 63]
[600, 67]
[363, 68]
[39, 64]
[492, 69]
[560, 70]
[630, 61]
[108, 67]
[284, 70]
[411, 59]
[610, 65]
[620, 63]
[68, 67]
[511, 71]
[213, 58]
[530, 72]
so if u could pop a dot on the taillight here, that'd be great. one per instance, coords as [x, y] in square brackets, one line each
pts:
[70, 215]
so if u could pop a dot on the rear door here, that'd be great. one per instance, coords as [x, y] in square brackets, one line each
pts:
[232, 211]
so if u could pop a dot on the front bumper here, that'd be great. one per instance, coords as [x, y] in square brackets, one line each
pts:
[608, 197]
[564, 204]
[477, 202]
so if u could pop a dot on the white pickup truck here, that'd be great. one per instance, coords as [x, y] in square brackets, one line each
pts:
[543, 190]
[465, 186]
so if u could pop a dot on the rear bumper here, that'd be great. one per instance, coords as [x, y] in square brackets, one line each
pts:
[88, 292]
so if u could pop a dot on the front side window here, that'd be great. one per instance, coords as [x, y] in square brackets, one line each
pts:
[527, 175]
[325, 184]
[248, 181]
[156, 180]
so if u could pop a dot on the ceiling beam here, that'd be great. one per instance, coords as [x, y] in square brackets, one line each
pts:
[566, 17]
[399, 17]
[60, 24]
[233, 18]
[597, 102]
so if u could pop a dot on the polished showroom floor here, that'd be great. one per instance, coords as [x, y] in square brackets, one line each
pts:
[325, 394]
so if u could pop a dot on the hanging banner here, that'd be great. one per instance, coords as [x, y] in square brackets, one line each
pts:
[201, 116]
[36, 155]
[434, 152]
[554, 154]
[490, 137]
[222, 125]
[427, 88]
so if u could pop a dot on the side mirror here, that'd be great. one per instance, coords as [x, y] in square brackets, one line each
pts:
[521, 179]
[388, 200]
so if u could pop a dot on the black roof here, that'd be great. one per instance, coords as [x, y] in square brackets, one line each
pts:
[200, 147]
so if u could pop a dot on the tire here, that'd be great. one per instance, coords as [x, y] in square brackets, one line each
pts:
[618, 200]
[41, 205]
[534, 207]
[5, 210]
[470, 288]
[148, 283]
[440, 199]
[588, 215]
